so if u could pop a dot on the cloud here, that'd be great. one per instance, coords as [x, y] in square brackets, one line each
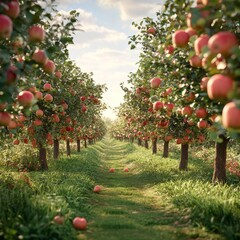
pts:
[133, 9]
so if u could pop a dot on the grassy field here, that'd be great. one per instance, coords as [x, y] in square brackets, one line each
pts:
[151, 201]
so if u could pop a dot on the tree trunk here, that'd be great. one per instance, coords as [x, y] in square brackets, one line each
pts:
[78, 145]
[43, 157]
[184, 157]
[85, 143]
[166, 149]
[55, 149]
[139, 142]
[68, 148]
[132, 140]
[146, 144]
[219, 174]
[154, 146]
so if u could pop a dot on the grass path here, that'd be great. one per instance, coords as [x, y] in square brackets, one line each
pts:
[128, 207]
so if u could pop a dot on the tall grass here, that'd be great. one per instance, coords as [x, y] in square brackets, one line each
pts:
[215, 207]
[28, 204]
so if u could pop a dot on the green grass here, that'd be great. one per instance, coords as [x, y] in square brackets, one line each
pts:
[152, 201]
[65, 189]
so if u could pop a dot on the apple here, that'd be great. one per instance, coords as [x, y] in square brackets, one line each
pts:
[191, 32]
[40, 57]
[151, 30]
[38, 95]
[97, 189]
[49, 67]
[36, 33]
[12, 125]
[219, 86]
[155, 82]
[231, 116]
[157, 105]
[84, 108]
[203, 84]
[5, 118]
[111, 170]
[168, 138]
[55, 118]
[25, 98]
[37, 122]
[195, 61]
[202, 124]
[187, 110]
[179, 141]
[58, 219]
[16, 142]
[13, 9]
[39, 113]
[48, 98]
[83, 98]
[79, 223]
[126, 169]
[201, 113]
[169, 49]
[11, 74]
[25, 140]
[47, 87]
[200, 43]
[58, 74]
[180, 38]
[6, 26]
[222, 42]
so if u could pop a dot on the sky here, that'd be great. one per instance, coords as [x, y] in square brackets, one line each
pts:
[102, 47]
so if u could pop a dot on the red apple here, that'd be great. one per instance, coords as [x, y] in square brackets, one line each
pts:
[111, 170]
[25, 98]
[38, 95]
[191, 32]
[37, 122]
[195, 61]
[222, 42]
[47, 87]
[83, 98]
[126, 169]
[58, 219]
[97, 189]
[151, 30]
[187, 110]
[157, 105]
[200, 43]
[231, 116]
[168, 138]
[58, 74]
[202, 124]
[5, 118]
[219, 86]
[180, 38]
[84, 108]
[55, 118]
[48, 98]
[11, 74]
[49, 67]
[203, 84]
[40, 57]
[13, 9]
[36, 34]
[169, 49]
[201, 113]
[79, 223]
[155, 82]
[39, 113]
[12, 125]
[16, 142]
[6, 26]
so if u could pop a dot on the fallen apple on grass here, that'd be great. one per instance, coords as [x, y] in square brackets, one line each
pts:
[79, 223]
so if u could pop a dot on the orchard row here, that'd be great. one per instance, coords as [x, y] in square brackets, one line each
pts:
[44, 96]
[187, 84]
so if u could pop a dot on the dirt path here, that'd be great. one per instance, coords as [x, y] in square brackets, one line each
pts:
[129, 209]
